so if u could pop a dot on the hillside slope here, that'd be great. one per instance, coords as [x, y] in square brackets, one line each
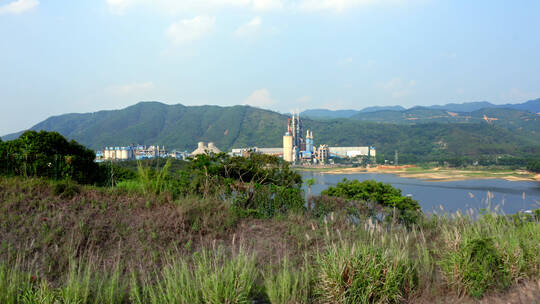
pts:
[175, 126]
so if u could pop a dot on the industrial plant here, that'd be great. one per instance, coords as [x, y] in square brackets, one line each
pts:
[298, 149]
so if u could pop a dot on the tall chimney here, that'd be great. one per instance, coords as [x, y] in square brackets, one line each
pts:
[289, 127]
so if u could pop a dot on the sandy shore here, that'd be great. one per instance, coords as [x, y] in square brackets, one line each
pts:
[441, 174]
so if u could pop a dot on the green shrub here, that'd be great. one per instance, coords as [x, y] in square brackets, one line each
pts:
[475, 267]
[66, 189]
[404, 208]
[130, 186]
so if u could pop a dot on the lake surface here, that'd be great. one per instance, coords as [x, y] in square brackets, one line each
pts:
[510, 196]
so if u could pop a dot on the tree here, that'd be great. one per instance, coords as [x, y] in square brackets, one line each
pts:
[49, 154]
[534, 166]
[408, 210]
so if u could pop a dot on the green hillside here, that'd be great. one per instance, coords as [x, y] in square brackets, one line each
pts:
[181, 127]
[175, 126]
[503, 117]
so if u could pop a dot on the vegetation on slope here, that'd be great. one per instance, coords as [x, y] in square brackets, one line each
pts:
[108, 246]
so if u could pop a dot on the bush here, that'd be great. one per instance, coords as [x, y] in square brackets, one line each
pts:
[49, 154]
[475, 267]
[404, 208]
[130, 186]
[66, 189]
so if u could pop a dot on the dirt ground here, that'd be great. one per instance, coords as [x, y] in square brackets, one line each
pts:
[441, 174]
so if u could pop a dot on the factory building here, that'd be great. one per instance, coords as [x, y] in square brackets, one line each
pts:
[131, 152]
[247, 151]
[118, 153]
[150, 152]
[350, 152]
[293, 140]
[288, 145]
[204, 149]
[299, 149]
[323, 154]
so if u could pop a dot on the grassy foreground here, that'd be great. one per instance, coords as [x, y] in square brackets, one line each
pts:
[64, 243]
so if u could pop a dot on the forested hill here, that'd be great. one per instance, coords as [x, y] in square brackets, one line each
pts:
[181, 127]
[175, 126]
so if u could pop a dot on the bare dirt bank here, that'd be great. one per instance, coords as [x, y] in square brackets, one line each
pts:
[442, 174]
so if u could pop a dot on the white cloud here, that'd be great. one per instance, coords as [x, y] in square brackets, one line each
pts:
[260, 98]
[204, 6]
[267, 5]
[191, 29]
[343, 5]
[131, 89]
[398, 87]
[183, 6]
[250, 28]
[119, 6]
[18, 7]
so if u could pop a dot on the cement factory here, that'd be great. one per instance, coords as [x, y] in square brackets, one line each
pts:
[296, 149]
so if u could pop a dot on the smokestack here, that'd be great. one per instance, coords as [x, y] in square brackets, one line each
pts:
[289, 127]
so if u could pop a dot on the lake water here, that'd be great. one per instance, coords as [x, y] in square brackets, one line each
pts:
[510, 196]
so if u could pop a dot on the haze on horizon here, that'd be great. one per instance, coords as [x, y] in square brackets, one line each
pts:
[83, 56]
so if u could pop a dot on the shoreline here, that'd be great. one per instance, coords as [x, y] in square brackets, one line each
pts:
[439, 174]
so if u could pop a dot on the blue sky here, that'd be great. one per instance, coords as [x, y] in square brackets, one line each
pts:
[62, 56]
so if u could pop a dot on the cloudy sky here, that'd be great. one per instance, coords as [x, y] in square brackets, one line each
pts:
[59, 56]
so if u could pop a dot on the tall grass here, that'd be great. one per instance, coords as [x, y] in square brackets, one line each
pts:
[289, 284]
[361, 273]
[14, 285]
[489, 253]
[153, 181]
[208, 277]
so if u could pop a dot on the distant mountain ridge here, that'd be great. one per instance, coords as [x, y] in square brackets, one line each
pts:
[532, 106]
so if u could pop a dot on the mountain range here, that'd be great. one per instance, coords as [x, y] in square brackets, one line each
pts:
[419, 133]
[532, 106]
